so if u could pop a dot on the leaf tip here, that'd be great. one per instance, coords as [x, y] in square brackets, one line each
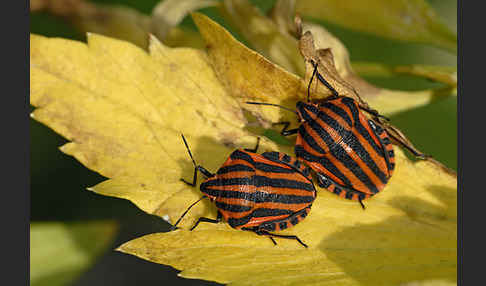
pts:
[122, 248]
[198, 17]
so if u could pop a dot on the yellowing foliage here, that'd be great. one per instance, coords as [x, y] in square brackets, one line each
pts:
[123, 110]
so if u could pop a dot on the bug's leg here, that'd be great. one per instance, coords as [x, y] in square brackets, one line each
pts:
[285, 131]
[180, 218]
[210, 220]
[264, 232]
[273, 240]
[194, 178]
[399, 138]
[361, 203]
[204, 219]
[196, 167]
[254, 150]
[373, 112]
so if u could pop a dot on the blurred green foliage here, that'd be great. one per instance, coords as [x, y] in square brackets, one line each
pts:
[73, 245]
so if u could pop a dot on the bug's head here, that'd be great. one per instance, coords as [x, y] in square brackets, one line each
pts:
[307, 110]
[207, 194]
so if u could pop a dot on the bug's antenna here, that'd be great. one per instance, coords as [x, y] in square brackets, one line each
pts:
[193, 204]
[271, 104]
[310, 81]
[188, 150]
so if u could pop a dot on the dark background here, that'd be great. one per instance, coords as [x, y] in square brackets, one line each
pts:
[58, 181]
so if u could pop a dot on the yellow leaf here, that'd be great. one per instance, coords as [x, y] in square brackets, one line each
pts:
[123, 110]
[405, 20]
[59, 252]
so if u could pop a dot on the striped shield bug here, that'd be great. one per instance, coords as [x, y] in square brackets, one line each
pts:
[351, 155]
[258, 193]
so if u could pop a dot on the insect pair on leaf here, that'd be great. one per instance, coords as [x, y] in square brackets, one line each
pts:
[351, 156]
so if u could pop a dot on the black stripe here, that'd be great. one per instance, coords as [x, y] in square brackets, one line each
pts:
[362, 130]
[235, 168]
[349, 102]
[338, 151]
[258, 165]
[349, 195]
[353, 142]
[262, 212]
[261, 181]
[310, 140]
[272, 156]
[227, 182]
[339, 111]
[268, 226]
[376, 127]
[323, 181]
[258, 181]
[337, 190]
[386, 141]
[325, 162]
[263, 197]
[306, 172]
[259, 197]
[282, 225]
[238, 154]
[357, 123]
[286, 158]
[232, 208]
[305, 108]
[294, 220]
[272, 168]
[229, 194]
[297, 166]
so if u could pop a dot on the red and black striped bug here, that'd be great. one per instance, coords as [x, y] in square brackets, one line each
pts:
[351, 155]
[259, 193]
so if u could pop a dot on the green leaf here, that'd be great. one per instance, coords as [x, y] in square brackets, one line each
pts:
[60, 252]
[442, 74]
[404, 20]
